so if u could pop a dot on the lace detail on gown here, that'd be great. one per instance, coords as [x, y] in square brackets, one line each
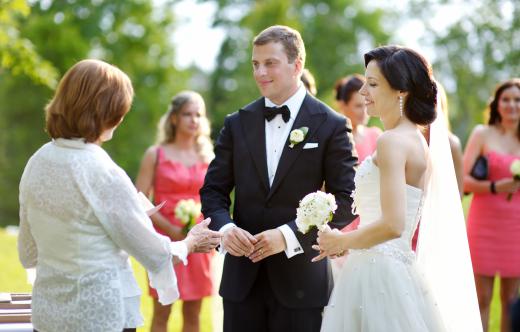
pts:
[381, 288]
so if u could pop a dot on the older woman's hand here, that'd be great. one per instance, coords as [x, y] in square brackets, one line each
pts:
[330, 243]
[201, 239]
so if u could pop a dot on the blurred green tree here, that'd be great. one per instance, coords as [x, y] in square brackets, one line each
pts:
[336, 34]
[17, 53]
[133, 35]
[473, 54]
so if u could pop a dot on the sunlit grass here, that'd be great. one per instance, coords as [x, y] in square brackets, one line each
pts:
[13, 280]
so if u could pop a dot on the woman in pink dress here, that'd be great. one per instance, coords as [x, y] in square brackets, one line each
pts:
[171, 171]
[493, 220]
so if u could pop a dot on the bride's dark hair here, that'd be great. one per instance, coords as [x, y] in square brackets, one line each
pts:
[407, 70]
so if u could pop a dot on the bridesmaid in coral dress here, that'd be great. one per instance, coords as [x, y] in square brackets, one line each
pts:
[171, 171]
[351, 103]
[493, 220]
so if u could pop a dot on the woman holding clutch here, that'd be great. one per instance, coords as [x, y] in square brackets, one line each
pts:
[493, 222]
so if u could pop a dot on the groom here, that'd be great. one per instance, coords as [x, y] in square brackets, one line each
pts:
[268, 281]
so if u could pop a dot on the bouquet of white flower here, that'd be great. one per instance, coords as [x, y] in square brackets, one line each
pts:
[515, 171]
[315, 210]
[187, 211]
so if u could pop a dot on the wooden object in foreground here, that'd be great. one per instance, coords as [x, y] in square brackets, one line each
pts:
[15, 308]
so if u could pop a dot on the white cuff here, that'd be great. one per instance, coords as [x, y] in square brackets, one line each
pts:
[180, 249]
[165, 280]
[221, 231]
[293, 246]
[31, 275]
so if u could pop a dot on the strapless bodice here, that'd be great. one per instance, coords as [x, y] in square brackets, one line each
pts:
[367, 205]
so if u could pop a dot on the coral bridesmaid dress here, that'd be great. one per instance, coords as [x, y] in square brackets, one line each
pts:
[494, 225]
[173, 182]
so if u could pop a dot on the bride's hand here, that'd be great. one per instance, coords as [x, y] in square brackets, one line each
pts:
[330, 244]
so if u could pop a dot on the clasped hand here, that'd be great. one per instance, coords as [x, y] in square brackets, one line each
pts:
[239, 242]
[330, 244]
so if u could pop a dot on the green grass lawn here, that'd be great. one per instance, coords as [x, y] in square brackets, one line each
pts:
[13, 279]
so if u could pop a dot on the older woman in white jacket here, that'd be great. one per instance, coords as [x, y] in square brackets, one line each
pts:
[80, 215]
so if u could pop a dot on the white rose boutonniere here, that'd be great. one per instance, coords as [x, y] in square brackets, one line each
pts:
[297, 136]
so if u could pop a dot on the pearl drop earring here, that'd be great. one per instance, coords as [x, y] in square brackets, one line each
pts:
[401, 105]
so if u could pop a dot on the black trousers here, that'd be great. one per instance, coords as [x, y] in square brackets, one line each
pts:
[262, 312]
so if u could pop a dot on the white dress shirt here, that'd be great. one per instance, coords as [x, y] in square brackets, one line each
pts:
[80, 217]
[276, 133]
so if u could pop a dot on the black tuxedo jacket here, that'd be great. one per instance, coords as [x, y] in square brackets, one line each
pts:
[240, 164]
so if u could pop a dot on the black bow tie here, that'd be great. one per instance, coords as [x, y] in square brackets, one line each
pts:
[271, 112]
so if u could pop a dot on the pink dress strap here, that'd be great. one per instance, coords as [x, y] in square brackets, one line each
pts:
[159, 154]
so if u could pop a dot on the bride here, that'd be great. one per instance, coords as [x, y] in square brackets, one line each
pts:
[383, 287]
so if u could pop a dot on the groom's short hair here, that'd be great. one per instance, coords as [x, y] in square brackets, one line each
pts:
[291, 40]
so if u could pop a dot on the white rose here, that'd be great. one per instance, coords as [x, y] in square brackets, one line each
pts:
[182, 211]
[515, 167]
[315, 210]
[186, 210]
[296, 136]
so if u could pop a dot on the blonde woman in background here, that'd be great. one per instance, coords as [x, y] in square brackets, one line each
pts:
[309, 82]
[174, 170]
[455, 146]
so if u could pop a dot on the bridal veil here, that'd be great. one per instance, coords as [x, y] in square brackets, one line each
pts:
[442, 248]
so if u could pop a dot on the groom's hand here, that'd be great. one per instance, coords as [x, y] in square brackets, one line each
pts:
[268, 243]
[238, 242]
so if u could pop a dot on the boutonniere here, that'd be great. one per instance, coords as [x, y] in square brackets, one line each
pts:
[297, 136]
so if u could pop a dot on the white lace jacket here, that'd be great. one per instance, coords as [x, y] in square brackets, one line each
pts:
[79, 217]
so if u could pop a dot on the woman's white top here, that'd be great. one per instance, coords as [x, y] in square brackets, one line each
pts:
[80, 218]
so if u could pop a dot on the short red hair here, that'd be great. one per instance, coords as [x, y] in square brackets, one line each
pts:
[91, 97]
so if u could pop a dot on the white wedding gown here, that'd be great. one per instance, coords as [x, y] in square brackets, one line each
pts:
[381, 288]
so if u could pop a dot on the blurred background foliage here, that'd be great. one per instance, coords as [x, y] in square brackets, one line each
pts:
[41, 39]
[473, 54]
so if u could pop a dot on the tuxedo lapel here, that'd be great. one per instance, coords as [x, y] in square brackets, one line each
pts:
[310, 116]
[253, 126]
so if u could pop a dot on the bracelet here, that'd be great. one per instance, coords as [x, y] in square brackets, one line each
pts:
[493, 188]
